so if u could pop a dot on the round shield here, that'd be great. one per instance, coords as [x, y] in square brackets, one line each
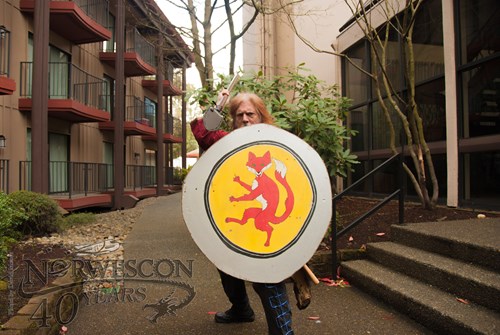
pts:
[258, 203]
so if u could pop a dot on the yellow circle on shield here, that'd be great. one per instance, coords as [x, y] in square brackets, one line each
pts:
[252, 206]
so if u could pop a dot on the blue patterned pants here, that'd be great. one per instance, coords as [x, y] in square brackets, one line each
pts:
[274, 300]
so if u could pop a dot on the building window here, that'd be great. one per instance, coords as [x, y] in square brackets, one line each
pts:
[481, 99]
[479, 26]
[150, 111]
[368, 117]
[482, 177]
[381, 132]
[358, 119]
[430, 99]
[357, 82]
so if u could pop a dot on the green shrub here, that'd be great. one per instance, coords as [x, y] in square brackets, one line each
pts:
[42, 214]
[180, 173]
[76, 219]
[9, 219]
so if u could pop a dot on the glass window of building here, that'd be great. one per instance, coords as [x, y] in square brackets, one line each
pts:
[358, 120]
[428, 52]
[430, 100]
[482, 177]
[479, 24]
[392, 61]
[357, 82]
[383, 131]
[481, 99]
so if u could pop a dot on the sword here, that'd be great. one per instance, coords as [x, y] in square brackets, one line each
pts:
[213, 117]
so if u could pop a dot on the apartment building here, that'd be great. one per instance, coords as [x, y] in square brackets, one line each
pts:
[87, 100]
[457, 69]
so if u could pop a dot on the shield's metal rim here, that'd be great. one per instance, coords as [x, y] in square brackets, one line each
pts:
[264, 270]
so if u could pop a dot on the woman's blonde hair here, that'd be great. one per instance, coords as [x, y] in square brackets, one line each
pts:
[256, 101]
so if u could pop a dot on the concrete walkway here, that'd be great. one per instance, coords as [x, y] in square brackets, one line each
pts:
[161, 234]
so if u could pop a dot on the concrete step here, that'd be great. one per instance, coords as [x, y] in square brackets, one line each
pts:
[464, 280]
[473, 241]
[432, 307]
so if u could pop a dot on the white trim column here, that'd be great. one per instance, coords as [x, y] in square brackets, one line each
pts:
[452, 157]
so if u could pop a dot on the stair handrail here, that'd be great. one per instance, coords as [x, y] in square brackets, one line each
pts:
[399, 192]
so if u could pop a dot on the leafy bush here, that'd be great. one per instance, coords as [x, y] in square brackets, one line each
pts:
[9, 219]
[303, 105]
[42, 214]
[76, 219]
[181, 173]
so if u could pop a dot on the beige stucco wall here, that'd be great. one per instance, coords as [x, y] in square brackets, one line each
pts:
[271, 43]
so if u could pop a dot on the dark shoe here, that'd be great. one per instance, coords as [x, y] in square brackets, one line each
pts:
[230, 316]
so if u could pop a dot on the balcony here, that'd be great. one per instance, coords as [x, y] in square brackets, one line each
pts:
[74, 185]
[139, 119]
[140, 180]
[7, 85]
[168, 88]
[139, 55]
[79, 21]
[173, 132]
[74, 95]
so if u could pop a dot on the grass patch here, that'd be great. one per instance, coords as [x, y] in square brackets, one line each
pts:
[77, 219]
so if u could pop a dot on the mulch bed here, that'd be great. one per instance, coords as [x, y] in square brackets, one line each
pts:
[377, 226]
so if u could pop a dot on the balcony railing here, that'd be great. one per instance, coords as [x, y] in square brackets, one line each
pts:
[140, 45]
[140, 176]
[173, 175]
[4, 175]
[137, 43]
[138, 111]
[4, 51]
[71, 178]
[67, 81]
[98, 10]
[173, 125]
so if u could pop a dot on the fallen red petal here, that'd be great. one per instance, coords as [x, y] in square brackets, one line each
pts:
[211, 313]
[380, 234]
[313, 318]
[463, 301]
[325, 280]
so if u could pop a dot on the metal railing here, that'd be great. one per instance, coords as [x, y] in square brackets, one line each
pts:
[98, 10]
[138, 111]
[4, 175]
[140, 176]
[399, 158]
[173, 125]
[25, 175]
[173, 175]
[140, 45]
[71, 178]
[67, 81]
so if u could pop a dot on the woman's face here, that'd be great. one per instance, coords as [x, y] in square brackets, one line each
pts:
[246, 115]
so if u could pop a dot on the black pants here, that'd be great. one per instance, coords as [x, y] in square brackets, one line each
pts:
[274, 300]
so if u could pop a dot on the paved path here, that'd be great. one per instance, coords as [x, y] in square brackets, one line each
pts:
[161, 234]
